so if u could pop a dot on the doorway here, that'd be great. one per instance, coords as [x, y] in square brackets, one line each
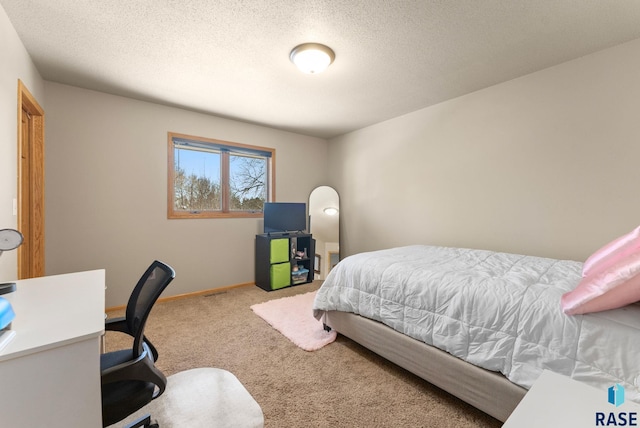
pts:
[30, 204]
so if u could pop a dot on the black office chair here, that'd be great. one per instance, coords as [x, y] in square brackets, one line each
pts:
[130, 379]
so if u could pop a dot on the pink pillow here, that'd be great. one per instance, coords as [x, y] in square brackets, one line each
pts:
[617, 286]
[626, 293]
[612, 253]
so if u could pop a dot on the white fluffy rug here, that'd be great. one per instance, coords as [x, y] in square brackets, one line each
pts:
[203, 398]
[293, 317]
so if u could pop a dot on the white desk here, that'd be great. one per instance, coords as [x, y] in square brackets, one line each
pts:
[50, 371]
[559, 401]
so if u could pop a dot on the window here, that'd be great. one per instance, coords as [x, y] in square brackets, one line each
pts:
[211, 178]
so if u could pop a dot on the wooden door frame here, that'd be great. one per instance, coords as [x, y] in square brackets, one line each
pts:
[31, 226]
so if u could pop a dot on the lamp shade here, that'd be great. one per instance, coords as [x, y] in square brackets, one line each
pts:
[312, 58]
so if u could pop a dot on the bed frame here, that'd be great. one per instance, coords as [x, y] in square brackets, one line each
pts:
[488, 391]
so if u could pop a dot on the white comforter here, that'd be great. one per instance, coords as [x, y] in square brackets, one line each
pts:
[495, 310]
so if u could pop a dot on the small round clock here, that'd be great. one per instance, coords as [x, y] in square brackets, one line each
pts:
[10, 239]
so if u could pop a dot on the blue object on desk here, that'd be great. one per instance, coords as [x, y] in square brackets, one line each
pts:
[6, 313]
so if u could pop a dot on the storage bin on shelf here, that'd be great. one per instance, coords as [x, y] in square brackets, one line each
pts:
[299, 276]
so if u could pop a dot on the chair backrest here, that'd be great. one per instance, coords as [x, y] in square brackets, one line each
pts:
[144, 296]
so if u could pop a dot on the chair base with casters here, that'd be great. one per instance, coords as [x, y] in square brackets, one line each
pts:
[143, 422]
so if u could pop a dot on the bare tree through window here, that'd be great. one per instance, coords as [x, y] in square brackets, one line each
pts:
[211, 178]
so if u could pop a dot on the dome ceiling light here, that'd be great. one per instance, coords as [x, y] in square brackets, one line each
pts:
[312, 58]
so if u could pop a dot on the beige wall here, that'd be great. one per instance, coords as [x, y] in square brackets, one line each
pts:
[16, 65]
[546, 164]
[106, 159]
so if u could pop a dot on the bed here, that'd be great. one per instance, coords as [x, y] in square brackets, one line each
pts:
[481, 325]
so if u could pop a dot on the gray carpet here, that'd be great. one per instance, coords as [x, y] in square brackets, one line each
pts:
[340, 385]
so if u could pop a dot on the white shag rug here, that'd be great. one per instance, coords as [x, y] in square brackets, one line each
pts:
[203, 398]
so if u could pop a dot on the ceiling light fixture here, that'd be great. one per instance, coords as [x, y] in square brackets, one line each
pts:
[312, 58]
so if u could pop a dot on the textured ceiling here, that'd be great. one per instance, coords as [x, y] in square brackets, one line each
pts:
[231, 58]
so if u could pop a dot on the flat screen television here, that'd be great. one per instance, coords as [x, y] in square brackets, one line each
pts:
[285, 217]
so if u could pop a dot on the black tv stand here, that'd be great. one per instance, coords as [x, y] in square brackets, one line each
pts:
[277, 264]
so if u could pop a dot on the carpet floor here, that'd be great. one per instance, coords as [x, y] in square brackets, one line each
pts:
[340, 385]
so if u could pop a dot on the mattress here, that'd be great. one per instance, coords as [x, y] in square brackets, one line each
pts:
[498, 311]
